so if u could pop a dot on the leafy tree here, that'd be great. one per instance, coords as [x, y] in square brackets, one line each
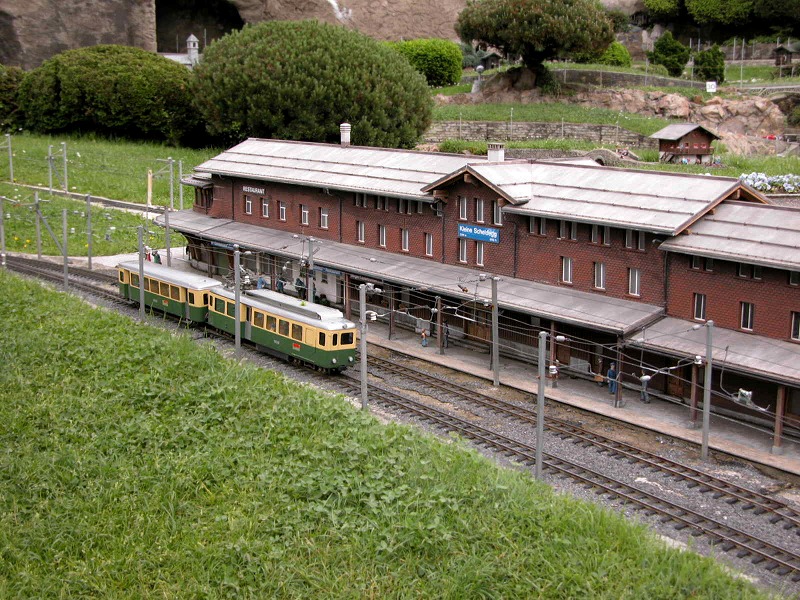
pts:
[710, 64]
[10, 79]
[536, 30]
[617, 55]
[112, 90]
[438, 60]
[300, 80]
[778, 11]
[671, 53]
[619, 19]
[726, 12]
[663, 9]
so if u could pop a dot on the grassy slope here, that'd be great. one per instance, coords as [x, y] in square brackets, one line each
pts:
[138, 464]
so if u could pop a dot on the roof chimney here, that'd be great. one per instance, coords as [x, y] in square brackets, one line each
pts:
[497, 152]
[192, 49]
[344, 129]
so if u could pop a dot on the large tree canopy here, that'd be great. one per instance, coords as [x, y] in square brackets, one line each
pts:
[300, 80]
[726, 12]
[537, 30]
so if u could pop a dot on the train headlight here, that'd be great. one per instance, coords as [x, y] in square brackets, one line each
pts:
[350, 358]
[333, 360]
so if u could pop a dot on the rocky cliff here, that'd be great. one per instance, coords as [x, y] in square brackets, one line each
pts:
[34, 30]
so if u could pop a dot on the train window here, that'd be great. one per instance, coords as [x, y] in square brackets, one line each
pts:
[283, 327]
[321, 339]
[297, 332]
[165, 289]
[205, 299]
[191, 297]
[231, 309]
[335, 340]
[174, 292]
[134, 280]
[272, 323]
[258, 319]
[347, 338]
[122, 276]
[219, 305]
[146, 284]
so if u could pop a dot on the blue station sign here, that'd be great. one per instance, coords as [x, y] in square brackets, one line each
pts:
[478, 232]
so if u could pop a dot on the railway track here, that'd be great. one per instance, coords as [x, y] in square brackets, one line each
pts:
[759, 551]
[777, 557]
[775, 511]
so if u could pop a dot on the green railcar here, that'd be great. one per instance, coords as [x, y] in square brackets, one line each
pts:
[168, 290]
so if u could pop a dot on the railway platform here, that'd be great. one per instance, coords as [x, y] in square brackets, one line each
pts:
[664, 416]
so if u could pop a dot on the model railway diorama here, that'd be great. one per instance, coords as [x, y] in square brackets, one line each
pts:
[284, 326]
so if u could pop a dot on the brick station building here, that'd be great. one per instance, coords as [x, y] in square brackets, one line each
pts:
[629, 265]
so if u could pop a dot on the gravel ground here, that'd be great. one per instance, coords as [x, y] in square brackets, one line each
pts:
[724, 467]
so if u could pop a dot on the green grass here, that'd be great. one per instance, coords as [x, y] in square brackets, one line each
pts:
[113, 231]
[452, 90]
[110, 168]
[552, 112]
[137, 464]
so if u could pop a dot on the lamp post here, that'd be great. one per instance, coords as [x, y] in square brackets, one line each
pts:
[362, 342]
[495, 335]
[237, 295]
[540, 400]
[709, 325]
[140, 234]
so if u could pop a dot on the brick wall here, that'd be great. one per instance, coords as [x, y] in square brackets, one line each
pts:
[774, 299]
[517, 131]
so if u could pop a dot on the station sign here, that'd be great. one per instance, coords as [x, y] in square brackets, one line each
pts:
[252, 190]
[478, 232]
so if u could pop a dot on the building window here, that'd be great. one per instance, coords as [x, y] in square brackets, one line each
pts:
[402, 204]
[696, 262]
[700, 307]
[479, 253]
[323, 218]
[566, 270]
[382, 236]
[796, 326]
[542, 226]
[601, 234]
[462, 208]
[629, 238]
[794, 277]
[562, 230]
[404, 240]
[600, 275]
[265, 208]
[479, 210]
[428, 244]
[360, 231]
[568, 229]
[595, 234]
[248, 205]
[303, 214]
[361, 200]
[282, 211]
[381, 203]
[642, 241]
[757, 272]
[634, 282]
[462, 250]
[748, 314]
[497, 214]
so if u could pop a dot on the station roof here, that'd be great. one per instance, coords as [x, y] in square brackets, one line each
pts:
[655, 201]
[763, 357]
[676, 131]
[612, 315]
[744, 232]
[382, 171]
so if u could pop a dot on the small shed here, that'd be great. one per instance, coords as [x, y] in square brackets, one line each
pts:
[685, 143]
[783, 53]
[490, 60]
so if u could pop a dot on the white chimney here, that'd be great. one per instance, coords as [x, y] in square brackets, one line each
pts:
[192, 49]
[497, 152]
[344, 129]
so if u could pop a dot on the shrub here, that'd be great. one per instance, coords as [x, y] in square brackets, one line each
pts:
[301, 79]
[654, 69]
[112, 90]
[710, 64]
[438, 60]
[616, 55]
[10, 79]
[671, 53]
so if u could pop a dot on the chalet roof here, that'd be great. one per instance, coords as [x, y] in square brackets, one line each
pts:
[398, 173]
[679, 130]
[604, 313]
[629, 198]
[740, 231]
[763, 357]
[791, 48]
